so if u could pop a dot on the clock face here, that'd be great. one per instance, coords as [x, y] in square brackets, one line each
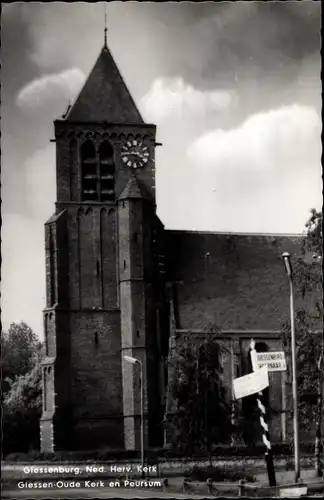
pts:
[135, 154]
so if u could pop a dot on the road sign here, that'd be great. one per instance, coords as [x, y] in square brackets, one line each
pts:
[275, 361]
[251, 383]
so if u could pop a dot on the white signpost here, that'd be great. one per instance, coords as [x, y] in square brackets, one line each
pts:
[275, 361]
[293, 492]
[252, 383]
[256, 382]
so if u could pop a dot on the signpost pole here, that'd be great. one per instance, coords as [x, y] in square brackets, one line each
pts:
[264, 424]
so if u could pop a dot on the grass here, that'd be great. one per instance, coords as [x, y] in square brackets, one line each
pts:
[218, 474]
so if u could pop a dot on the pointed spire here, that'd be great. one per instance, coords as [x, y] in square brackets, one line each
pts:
[105, 96]
[67, 111]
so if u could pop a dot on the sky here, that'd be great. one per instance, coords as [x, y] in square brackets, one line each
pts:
[235, 92]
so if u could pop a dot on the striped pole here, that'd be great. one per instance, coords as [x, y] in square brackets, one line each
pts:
[264, 423]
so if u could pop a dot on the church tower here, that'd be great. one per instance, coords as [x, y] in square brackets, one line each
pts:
[103, 276]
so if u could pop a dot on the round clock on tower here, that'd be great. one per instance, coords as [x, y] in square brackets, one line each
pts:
[135, 154]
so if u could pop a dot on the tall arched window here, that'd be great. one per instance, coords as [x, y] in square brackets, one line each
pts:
[98, 172]
[89, 172]
[106, 172]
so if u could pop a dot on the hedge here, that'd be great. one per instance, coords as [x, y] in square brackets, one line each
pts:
[154, 455]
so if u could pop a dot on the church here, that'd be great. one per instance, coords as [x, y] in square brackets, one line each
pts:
[118, 283]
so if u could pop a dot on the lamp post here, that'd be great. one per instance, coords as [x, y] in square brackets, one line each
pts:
[205, 382]
[288, 267]
[132, 360]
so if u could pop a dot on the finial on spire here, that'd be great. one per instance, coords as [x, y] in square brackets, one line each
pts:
[67, 111]
[105, 30]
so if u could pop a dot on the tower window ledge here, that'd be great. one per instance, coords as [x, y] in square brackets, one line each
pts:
[48, 309]
[89, 161]
[92, 202]
[106, 162]
[48, 361]
[132, 346]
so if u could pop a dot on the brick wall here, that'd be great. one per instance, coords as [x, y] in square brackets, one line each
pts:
[50, 333]
[109, 257]
[97, 433]
[137, 303]
[64, 154]
[47, 436]
[90, 279]
[96, 253]
[95, 363]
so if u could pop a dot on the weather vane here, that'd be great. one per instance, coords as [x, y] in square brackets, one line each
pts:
[105, 30]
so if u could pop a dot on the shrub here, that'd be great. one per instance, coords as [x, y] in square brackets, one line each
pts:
[21, 411]
[218, 474]
[201, 413]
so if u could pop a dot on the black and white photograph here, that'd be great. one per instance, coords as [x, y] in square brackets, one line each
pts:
[161, 294]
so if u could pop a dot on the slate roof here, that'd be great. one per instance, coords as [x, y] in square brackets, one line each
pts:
[55, 217]
[105, 96]
[236, 281]
[134, 189]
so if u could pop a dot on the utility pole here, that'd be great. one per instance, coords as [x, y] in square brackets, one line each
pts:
[207, 256]
[135, 361]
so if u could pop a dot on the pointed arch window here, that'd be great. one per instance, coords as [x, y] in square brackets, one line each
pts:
[107, 172]
[89, 172]
[98, 172]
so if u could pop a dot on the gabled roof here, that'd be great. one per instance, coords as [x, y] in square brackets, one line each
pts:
[235, 281]
[134, 190]
[105, 96]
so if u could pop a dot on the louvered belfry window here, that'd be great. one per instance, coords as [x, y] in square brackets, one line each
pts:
[98, 172]
[107, 172]
[89, 172]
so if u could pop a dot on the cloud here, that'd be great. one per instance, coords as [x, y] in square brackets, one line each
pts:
[9, 10]
[263, 174]
[40, 182]
[174, 97]
[48, 88]
[278, 139]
